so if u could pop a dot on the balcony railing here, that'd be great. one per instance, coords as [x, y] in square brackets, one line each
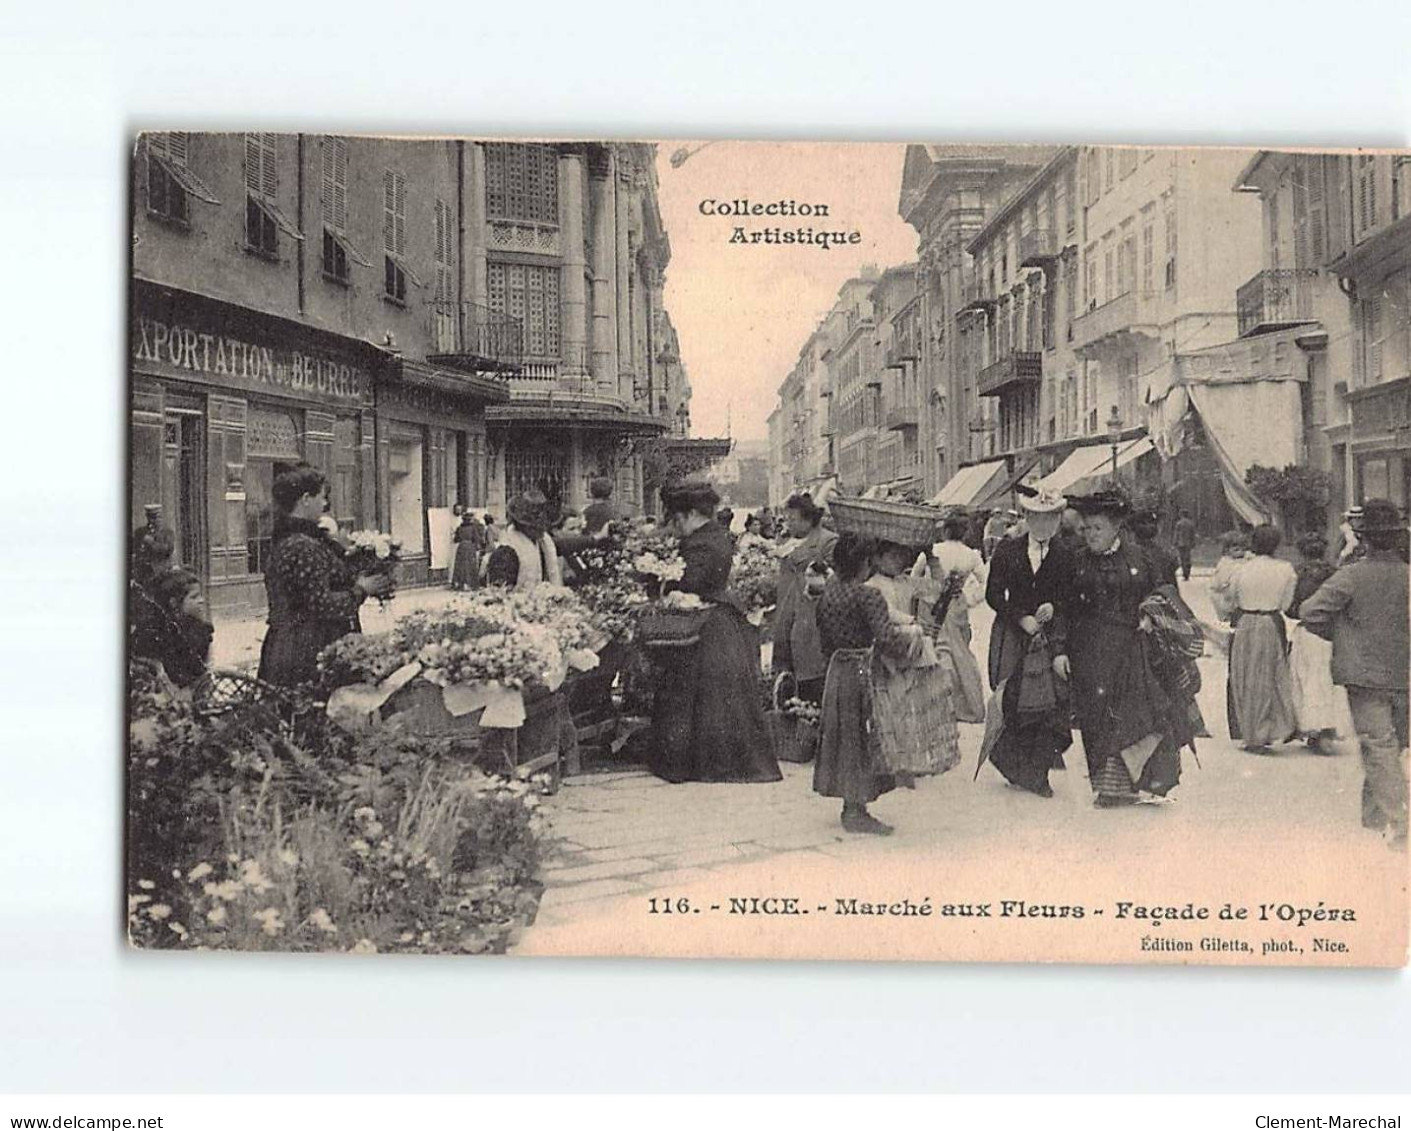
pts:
[474, 338]
[1135, 311]
[1039, 247]
[901, 417]
[1276, 299]
[1020, 367]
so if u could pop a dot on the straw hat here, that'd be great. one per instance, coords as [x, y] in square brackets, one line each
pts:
[1039, 500]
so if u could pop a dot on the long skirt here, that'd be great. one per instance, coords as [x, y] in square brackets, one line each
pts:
[465, 573]
[1151, 766]
[1261, 688]
[952, 639]
[289, 653]
[850, 763]
[707, 718]
[1321, 705]
[1024, 747]
[914, 719]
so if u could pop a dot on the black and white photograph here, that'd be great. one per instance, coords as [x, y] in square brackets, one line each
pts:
[767, 549]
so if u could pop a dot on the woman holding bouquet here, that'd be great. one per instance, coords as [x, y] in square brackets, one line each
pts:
[707, 721]
[313, 594]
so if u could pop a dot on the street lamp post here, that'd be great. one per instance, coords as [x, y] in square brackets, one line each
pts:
[1114, 437]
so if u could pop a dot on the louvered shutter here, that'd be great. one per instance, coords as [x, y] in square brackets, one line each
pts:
[389, 211]
[269, 173]
[177, 146]
[400, 183]
[253, 155]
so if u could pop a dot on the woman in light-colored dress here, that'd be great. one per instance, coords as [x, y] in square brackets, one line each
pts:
[1261, 686]
[952, 560]
[1321, 705]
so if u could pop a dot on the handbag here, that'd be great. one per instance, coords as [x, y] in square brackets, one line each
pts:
[1038, 685]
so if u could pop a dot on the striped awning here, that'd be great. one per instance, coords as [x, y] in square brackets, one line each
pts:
[969, 483]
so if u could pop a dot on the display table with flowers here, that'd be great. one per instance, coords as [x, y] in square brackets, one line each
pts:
[490, 667]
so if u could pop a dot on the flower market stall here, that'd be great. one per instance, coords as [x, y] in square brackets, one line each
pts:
[490, 668]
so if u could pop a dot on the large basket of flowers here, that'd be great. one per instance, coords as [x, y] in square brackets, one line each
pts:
[909, 524]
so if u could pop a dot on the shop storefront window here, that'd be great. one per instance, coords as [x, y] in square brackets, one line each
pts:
[272, 446]
[406, 491]
[541, 470]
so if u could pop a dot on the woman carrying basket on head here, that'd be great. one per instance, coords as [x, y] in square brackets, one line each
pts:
[863, 745]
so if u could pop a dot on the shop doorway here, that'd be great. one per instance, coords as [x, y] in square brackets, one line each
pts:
[182, 491]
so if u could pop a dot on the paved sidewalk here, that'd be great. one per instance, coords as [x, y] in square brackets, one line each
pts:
[237, 641]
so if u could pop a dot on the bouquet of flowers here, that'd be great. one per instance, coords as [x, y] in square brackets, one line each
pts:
[616, 605]
[754, 575]
[663, 568]
[373, 552]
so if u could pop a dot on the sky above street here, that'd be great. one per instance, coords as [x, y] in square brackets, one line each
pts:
[743, 311]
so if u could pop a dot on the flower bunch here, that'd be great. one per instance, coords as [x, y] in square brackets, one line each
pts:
[663, 568]
[682, 602]
[803, 710]
[356, 658]
[615, 606]
[373, 552]
[754, 575]
[515, 659]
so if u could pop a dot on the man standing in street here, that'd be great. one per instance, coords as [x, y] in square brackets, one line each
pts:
[1362, 609]
[1185, 543]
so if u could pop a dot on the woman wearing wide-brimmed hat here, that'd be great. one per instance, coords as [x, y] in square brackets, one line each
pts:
[1029, 725]
[525, 556]
[1133, 721]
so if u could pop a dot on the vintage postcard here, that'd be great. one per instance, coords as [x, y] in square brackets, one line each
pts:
[768, 549]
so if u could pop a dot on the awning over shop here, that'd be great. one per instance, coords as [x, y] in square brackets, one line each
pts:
[1000, 494]
[1249, 398]
[822, 489]
[969, 484]
[1092, 461]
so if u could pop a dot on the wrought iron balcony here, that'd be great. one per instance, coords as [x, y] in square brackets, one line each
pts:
[474, 338]
[1276, 299]
[1019, 367]
[1134, 312]
[901, 417]
[1039, 247]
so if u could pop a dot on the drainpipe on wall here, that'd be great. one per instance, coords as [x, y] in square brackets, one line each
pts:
[299, 218]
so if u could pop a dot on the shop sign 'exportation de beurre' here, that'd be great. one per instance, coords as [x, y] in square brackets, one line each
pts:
[173, 346]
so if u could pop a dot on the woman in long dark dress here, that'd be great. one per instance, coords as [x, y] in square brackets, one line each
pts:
[707, 720]
[314, 596]
[469, 537]
[1133, 724]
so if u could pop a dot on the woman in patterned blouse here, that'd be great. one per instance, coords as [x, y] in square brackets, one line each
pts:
[313, 596]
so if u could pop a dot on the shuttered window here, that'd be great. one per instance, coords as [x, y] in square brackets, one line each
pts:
[394, 213]
[1148, 250]
[531, 294]
[261, 173]
[170, 182]
[521, 182]
[396, 273]
[1364, 202]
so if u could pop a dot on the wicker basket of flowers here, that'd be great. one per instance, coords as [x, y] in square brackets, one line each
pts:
[910, 524]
